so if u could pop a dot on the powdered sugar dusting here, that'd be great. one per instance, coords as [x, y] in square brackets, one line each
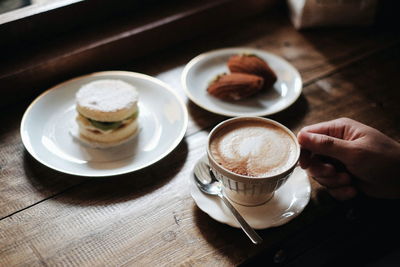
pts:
[107, 95]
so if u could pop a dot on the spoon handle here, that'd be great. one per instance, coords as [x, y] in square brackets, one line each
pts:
[254, 237]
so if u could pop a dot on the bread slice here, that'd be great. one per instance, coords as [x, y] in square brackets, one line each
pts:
[109, 137]
[107, 112]
[107, 100]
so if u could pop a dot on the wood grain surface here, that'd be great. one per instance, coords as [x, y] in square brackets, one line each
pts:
[148, 218]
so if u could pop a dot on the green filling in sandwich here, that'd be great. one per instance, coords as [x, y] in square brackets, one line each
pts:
[111, 125]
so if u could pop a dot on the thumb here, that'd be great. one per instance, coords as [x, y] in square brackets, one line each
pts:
[323, 144]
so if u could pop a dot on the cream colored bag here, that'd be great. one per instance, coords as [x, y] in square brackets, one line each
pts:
[316, 13]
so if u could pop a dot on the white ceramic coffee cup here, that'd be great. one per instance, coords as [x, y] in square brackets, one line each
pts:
[249, 190]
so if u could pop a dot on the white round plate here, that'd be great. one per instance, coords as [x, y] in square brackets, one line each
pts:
[47, 123]
[287, 203]
[201, 70]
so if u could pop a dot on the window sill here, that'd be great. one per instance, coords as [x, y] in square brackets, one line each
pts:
[28, 71]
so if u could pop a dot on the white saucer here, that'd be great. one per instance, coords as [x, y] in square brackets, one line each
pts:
[48, 122]
[287, 203]
[201, 70]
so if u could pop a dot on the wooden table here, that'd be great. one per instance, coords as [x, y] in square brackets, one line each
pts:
[148, 218]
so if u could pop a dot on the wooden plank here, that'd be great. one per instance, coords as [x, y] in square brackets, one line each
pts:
[365, 91]
[145, 217]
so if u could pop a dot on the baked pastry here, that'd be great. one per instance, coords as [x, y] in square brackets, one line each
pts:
[249, 74]
[107, 112]
[252, 64]
[235, 86]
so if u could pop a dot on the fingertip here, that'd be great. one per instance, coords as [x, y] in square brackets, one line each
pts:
[304, 164]
[305, 158]
[322, 171]
[323, 144]
[312, 141]
[303, 137]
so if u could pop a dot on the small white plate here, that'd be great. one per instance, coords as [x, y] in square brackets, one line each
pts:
[287, 203]
[47, 123]
[201, 70]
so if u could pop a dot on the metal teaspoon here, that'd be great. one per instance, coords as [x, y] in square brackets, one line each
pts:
[207, 183]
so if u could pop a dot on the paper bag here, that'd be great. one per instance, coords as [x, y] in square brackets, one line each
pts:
[318, 13]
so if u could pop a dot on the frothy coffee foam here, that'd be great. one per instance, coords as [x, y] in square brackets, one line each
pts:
[254, 149]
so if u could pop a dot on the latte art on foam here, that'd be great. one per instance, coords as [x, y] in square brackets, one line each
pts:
[254, 149]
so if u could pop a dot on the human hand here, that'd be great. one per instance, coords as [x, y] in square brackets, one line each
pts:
[347, 156]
